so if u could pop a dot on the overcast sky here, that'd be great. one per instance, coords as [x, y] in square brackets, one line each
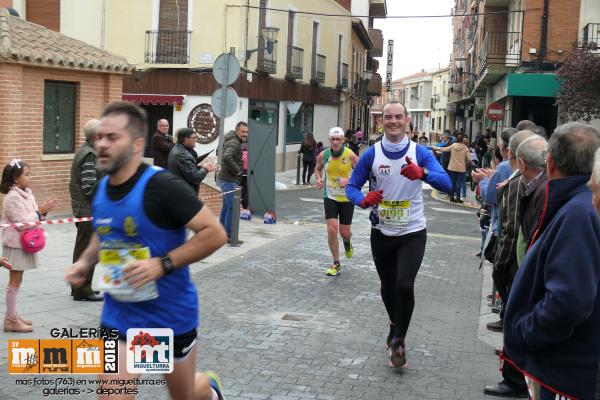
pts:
[423, 43]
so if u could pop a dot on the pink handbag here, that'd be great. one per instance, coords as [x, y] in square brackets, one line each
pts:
[33, 240]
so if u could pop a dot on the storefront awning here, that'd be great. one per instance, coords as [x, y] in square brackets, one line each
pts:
[155, 99]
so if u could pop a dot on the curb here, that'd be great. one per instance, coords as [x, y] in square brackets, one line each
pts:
[438, 196]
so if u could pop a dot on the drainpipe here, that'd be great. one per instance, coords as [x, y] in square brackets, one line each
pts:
[103, 26]
[247, 29]
[544, 35]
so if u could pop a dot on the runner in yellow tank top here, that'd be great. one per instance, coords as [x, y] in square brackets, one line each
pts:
[332, 172]
[336, 170]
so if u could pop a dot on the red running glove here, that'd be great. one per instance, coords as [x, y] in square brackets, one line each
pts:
[372, 199]
[412, 171]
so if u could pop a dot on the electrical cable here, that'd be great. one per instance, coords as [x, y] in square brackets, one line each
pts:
[386, 17]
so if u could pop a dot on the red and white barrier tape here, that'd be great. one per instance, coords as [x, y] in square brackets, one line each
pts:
[47, 222]
[84, 219]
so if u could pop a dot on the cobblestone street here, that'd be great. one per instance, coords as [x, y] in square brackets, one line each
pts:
[276, 327]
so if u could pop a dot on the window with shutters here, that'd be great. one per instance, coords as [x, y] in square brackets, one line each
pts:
[59, 117]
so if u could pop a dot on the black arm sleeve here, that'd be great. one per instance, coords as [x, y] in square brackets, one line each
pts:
[169, 202]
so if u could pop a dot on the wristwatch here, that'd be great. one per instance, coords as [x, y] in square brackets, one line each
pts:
[425, 173]
[167, 265]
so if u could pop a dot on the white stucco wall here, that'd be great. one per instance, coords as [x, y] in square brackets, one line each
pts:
[326, 117]
[82, 20]
[589, 13]
[180, 118]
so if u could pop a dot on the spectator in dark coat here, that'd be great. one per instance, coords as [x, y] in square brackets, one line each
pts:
[162, 143]
[307, 149]
[182, 160]
[552, 320]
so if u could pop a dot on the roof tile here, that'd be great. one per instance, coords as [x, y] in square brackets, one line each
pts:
[23, 41]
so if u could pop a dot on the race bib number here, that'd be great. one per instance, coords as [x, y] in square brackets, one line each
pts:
[110, 268]
[394, 212]
[335, 190]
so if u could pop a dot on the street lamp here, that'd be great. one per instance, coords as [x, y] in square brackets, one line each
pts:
[269, 35]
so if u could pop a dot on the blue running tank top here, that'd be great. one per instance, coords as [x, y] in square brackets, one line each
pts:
[123, 224]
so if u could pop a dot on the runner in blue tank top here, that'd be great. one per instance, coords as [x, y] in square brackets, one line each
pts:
[397, 168]
[133, 217]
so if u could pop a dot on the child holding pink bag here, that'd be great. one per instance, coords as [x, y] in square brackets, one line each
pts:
[18, 206]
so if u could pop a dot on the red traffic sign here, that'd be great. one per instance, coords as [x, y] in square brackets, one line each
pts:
[495, 112]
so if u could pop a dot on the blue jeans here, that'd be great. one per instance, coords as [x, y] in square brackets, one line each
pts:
[457, 178]
[227, 208]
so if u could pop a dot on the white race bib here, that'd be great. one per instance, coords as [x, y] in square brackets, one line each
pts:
[394, 212]
[111, 279]
[335, 190]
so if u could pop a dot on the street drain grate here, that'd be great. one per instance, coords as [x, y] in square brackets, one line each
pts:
[296, 317]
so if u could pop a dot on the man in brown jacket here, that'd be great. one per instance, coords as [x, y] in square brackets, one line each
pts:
[460, 157]
[161, 143]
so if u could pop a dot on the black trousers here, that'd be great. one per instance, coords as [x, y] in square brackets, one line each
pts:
[398, 259]
[244, 185]
[307, 166]
[85, 232]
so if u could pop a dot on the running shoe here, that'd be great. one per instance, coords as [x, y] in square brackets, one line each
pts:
[334, 270]
[349, 250]
[215, 383]
[388, 342]
[397, 353]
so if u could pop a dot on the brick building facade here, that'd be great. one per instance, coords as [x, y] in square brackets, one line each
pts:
[50, 86]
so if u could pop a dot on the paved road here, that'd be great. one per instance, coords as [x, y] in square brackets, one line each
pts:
[276, 327]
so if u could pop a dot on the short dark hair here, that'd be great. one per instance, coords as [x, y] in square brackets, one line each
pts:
[395, 102]
[541, 131]
[240, 124]
[10, 175]
[526, 125]
[137, 124]
[183, 134]
[506, 134]
[572, 147]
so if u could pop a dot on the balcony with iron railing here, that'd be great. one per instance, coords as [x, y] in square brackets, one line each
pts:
[460, 91]
[500, 49]
[295, 62]
[356, 84]
[376, 36]
[374, 85]
[318, 69]
[267, 59]
[167, 47]
[343, 77]
[591, 33]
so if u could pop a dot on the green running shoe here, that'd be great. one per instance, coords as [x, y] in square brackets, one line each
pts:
[349, 250]
[215, 383]
[334, 270]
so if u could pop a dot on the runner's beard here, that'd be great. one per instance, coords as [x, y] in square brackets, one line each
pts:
[118, 163]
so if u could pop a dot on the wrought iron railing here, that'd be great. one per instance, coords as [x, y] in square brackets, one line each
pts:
[500, 48]
[168, 47]
[343, 78]
[591, 33]
[267, 61]
[318, 68]
[295, 62]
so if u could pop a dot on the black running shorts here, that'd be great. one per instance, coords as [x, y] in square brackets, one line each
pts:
[342, 209]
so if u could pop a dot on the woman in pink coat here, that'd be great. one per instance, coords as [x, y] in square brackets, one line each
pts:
[18, 206]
